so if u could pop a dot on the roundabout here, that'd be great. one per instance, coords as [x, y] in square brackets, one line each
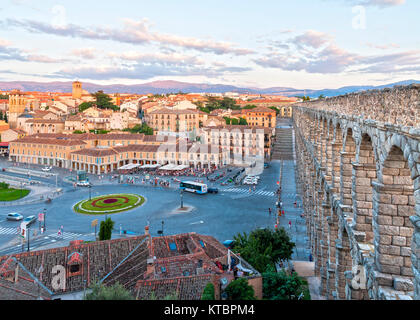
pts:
[108, 204]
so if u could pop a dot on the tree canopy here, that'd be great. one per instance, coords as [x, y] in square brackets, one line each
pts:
[208, 293]
[85, 105]
[282, 286]
[104, 101]
[105, 229]
[240, 290]
[263, 248]
[102, 292]
[143, 128]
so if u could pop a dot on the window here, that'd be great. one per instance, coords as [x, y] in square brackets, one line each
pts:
[74, 268]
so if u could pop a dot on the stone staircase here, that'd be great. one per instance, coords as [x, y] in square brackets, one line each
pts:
[283, 147]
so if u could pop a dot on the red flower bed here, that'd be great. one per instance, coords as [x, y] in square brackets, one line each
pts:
[110, 200]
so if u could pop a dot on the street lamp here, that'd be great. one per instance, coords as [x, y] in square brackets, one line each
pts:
[90, 193]
[45, 215]
[182, 198]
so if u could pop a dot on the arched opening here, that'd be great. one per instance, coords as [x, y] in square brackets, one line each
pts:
[364, 172]
[337, 146]
[393, 205]
[348, 156]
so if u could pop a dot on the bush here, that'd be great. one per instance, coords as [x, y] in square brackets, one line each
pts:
[102, 292]
[4, 185]
[105, 230]
[240, 290]
[281, 286]
[208, 293]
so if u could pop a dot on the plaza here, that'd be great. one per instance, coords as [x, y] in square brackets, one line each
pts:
[234, 209]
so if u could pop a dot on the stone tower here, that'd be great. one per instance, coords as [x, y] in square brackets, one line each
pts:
[77, 90]
[17, 103]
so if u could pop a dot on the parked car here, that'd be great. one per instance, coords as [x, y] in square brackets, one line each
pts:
[29, 220]
[213, 190]
[46, 169]
[14, 216]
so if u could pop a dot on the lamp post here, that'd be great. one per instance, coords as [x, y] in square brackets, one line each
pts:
[182, 199]
[45, 215]
[162, 227]
[90, 193]
[28, 233]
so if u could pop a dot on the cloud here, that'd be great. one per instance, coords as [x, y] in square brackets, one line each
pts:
[133, 32]
[383, 46]
[10, 53]
[377, 3]
[315, 52]
[173, 58]
[85, 53]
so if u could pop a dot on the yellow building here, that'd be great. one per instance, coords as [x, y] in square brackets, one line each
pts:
[260, 116]
[167, 120]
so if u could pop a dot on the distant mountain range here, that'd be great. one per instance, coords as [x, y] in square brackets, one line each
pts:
[176, 86]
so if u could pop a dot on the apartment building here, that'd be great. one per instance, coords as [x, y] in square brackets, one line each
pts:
[260, 116]
[240, 140]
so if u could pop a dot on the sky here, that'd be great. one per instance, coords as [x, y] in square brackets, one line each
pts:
[303, 44]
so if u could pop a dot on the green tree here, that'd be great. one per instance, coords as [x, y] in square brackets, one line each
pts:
[78, 132]
[240, 290]
[263, 248]
[275, 109]
[321, 96]
[282, 286]
[1, 115]
[249, 106]
[242, 122]
[234, 121]
[114, 292]
[5, 118]
[105, 229]
[4, 97]
[104, 101]
[141, 128]
[85, 105]
[227, 119]
[208, 293]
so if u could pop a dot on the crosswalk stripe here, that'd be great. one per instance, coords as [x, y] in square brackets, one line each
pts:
[8, 231]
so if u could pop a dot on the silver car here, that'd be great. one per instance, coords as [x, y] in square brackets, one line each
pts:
[14, 216]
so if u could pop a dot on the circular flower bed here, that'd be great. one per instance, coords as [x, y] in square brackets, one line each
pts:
[109, 204]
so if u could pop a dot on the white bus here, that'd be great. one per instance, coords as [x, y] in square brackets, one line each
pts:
[191, 186]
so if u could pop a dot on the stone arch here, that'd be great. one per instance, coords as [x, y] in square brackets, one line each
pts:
[394, 203]
[344, 262]
[364, 172]
[348, 155]
[337, 145]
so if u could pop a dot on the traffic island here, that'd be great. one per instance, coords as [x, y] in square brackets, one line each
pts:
[109, 204]
[11, 194]
[184, 209]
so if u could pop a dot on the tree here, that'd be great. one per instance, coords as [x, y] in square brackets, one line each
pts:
[227, 119]
[321, 96]
[143, 128]
[104, 101]
[1, 115]
[275, 109]
[105, 230]
[263, 248]
[240, 290]
[114, 292]
[78, 132]
[234, 121]
[5, 118]
[85, 105]
[208, 293]
[282, 286]
[242, 122]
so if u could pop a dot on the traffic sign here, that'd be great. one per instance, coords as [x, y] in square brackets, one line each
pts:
[41, 217]
[23, 230]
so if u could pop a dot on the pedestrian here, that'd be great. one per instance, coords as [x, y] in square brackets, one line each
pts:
[269, 211]
[281, 204]
[282, 212]
[290, 224]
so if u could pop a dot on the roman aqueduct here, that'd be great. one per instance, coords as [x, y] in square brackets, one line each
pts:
[358, 160]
